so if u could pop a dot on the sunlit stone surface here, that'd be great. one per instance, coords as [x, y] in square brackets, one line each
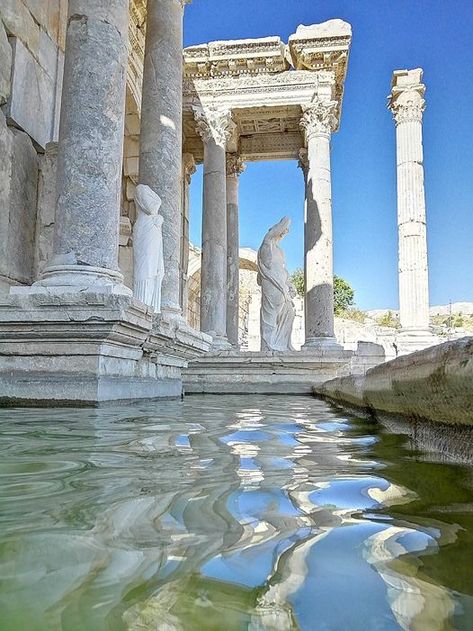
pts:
[235, 513]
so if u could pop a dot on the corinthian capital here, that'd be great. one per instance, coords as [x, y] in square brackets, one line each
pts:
[235, 165]
[319, 118]
[215, 124]
[406, 100]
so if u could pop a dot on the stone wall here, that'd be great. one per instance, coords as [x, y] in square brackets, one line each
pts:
[32, 57]
[32, 42]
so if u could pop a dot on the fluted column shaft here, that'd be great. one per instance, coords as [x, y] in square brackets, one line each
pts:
[234, 169]
[161, 133]
[317, 123]
[90, 145]
[213, 126]
[407, 104]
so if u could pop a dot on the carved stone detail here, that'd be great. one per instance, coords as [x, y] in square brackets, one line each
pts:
[303, 163]
[319, 118]
[408, 105]
[188, 163]
[235, 165]
[215, 124]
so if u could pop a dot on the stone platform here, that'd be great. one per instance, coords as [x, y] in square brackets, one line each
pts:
[87, 348]
[294, 372]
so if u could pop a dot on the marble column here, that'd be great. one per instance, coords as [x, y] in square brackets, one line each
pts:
[89, 168]
[161, 132]
[214, 126]
[188, 170]
[317, 123]
[407, 105]
[235, 167]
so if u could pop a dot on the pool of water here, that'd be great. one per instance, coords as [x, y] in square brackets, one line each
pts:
[228, 513]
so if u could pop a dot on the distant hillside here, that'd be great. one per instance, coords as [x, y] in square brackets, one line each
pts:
[465, 308]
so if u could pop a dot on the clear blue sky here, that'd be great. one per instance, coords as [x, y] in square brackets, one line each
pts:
[436, 35]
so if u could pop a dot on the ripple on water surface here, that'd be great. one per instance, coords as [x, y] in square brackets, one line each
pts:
[232, 513]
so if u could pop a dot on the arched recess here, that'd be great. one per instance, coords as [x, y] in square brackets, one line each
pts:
[248, 286]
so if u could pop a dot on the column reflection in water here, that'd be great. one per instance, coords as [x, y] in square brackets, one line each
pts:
[255, 513]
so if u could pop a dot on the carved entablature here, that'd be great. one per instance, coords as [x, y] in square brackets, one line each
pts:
[267, 86]
[406, 100]
[323, 46]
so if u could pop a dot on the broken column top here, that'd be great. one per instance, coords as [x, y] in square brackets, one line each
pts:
[404, 79]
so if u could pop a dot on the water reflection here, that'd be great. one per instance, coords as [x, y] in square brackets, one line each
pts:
[230, 513]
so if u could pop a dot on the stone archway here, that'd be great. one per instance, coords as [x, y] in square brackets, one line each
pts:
[248, 288]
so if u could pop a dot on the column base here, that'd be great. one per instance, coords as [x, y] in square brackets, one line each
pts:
[219, 342]
[174, 312]
[325, 344]
[66, 279]
[412, 340]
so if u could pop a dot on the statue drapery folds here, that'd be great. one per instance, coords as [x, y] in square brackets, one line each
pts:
[277, 291]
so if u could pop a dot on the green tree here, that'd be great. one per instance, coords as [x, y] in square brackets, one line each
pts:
[297, 278]
[343, 293]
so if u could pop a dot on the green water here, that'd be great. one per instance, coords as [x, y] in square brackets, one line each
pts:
[228, 513]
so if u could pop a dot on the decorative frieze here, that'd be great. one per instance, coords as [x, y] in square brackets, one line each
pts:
[233, 58]
[319, 118]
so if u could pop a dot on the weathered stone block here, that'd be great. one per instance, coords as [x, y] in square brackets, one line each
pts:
[18, 188]
[5, 65]
[19, 23]
[434, 384]
[32, 101]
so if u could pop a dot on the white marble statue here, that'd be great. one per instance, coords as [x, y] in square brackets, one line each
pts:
[148, 257]
[277, 291]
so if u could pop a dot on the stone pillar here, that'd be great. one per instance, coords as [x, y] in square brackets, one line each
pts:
[235, 167]
[214, 126]
[161, 132]
[188, 170]
[407, 105]
[317, 123]
[89, 171]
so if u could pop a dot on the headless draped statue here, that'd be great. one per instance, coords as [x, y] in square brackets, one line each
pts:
[277, 291]
[148, 256]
